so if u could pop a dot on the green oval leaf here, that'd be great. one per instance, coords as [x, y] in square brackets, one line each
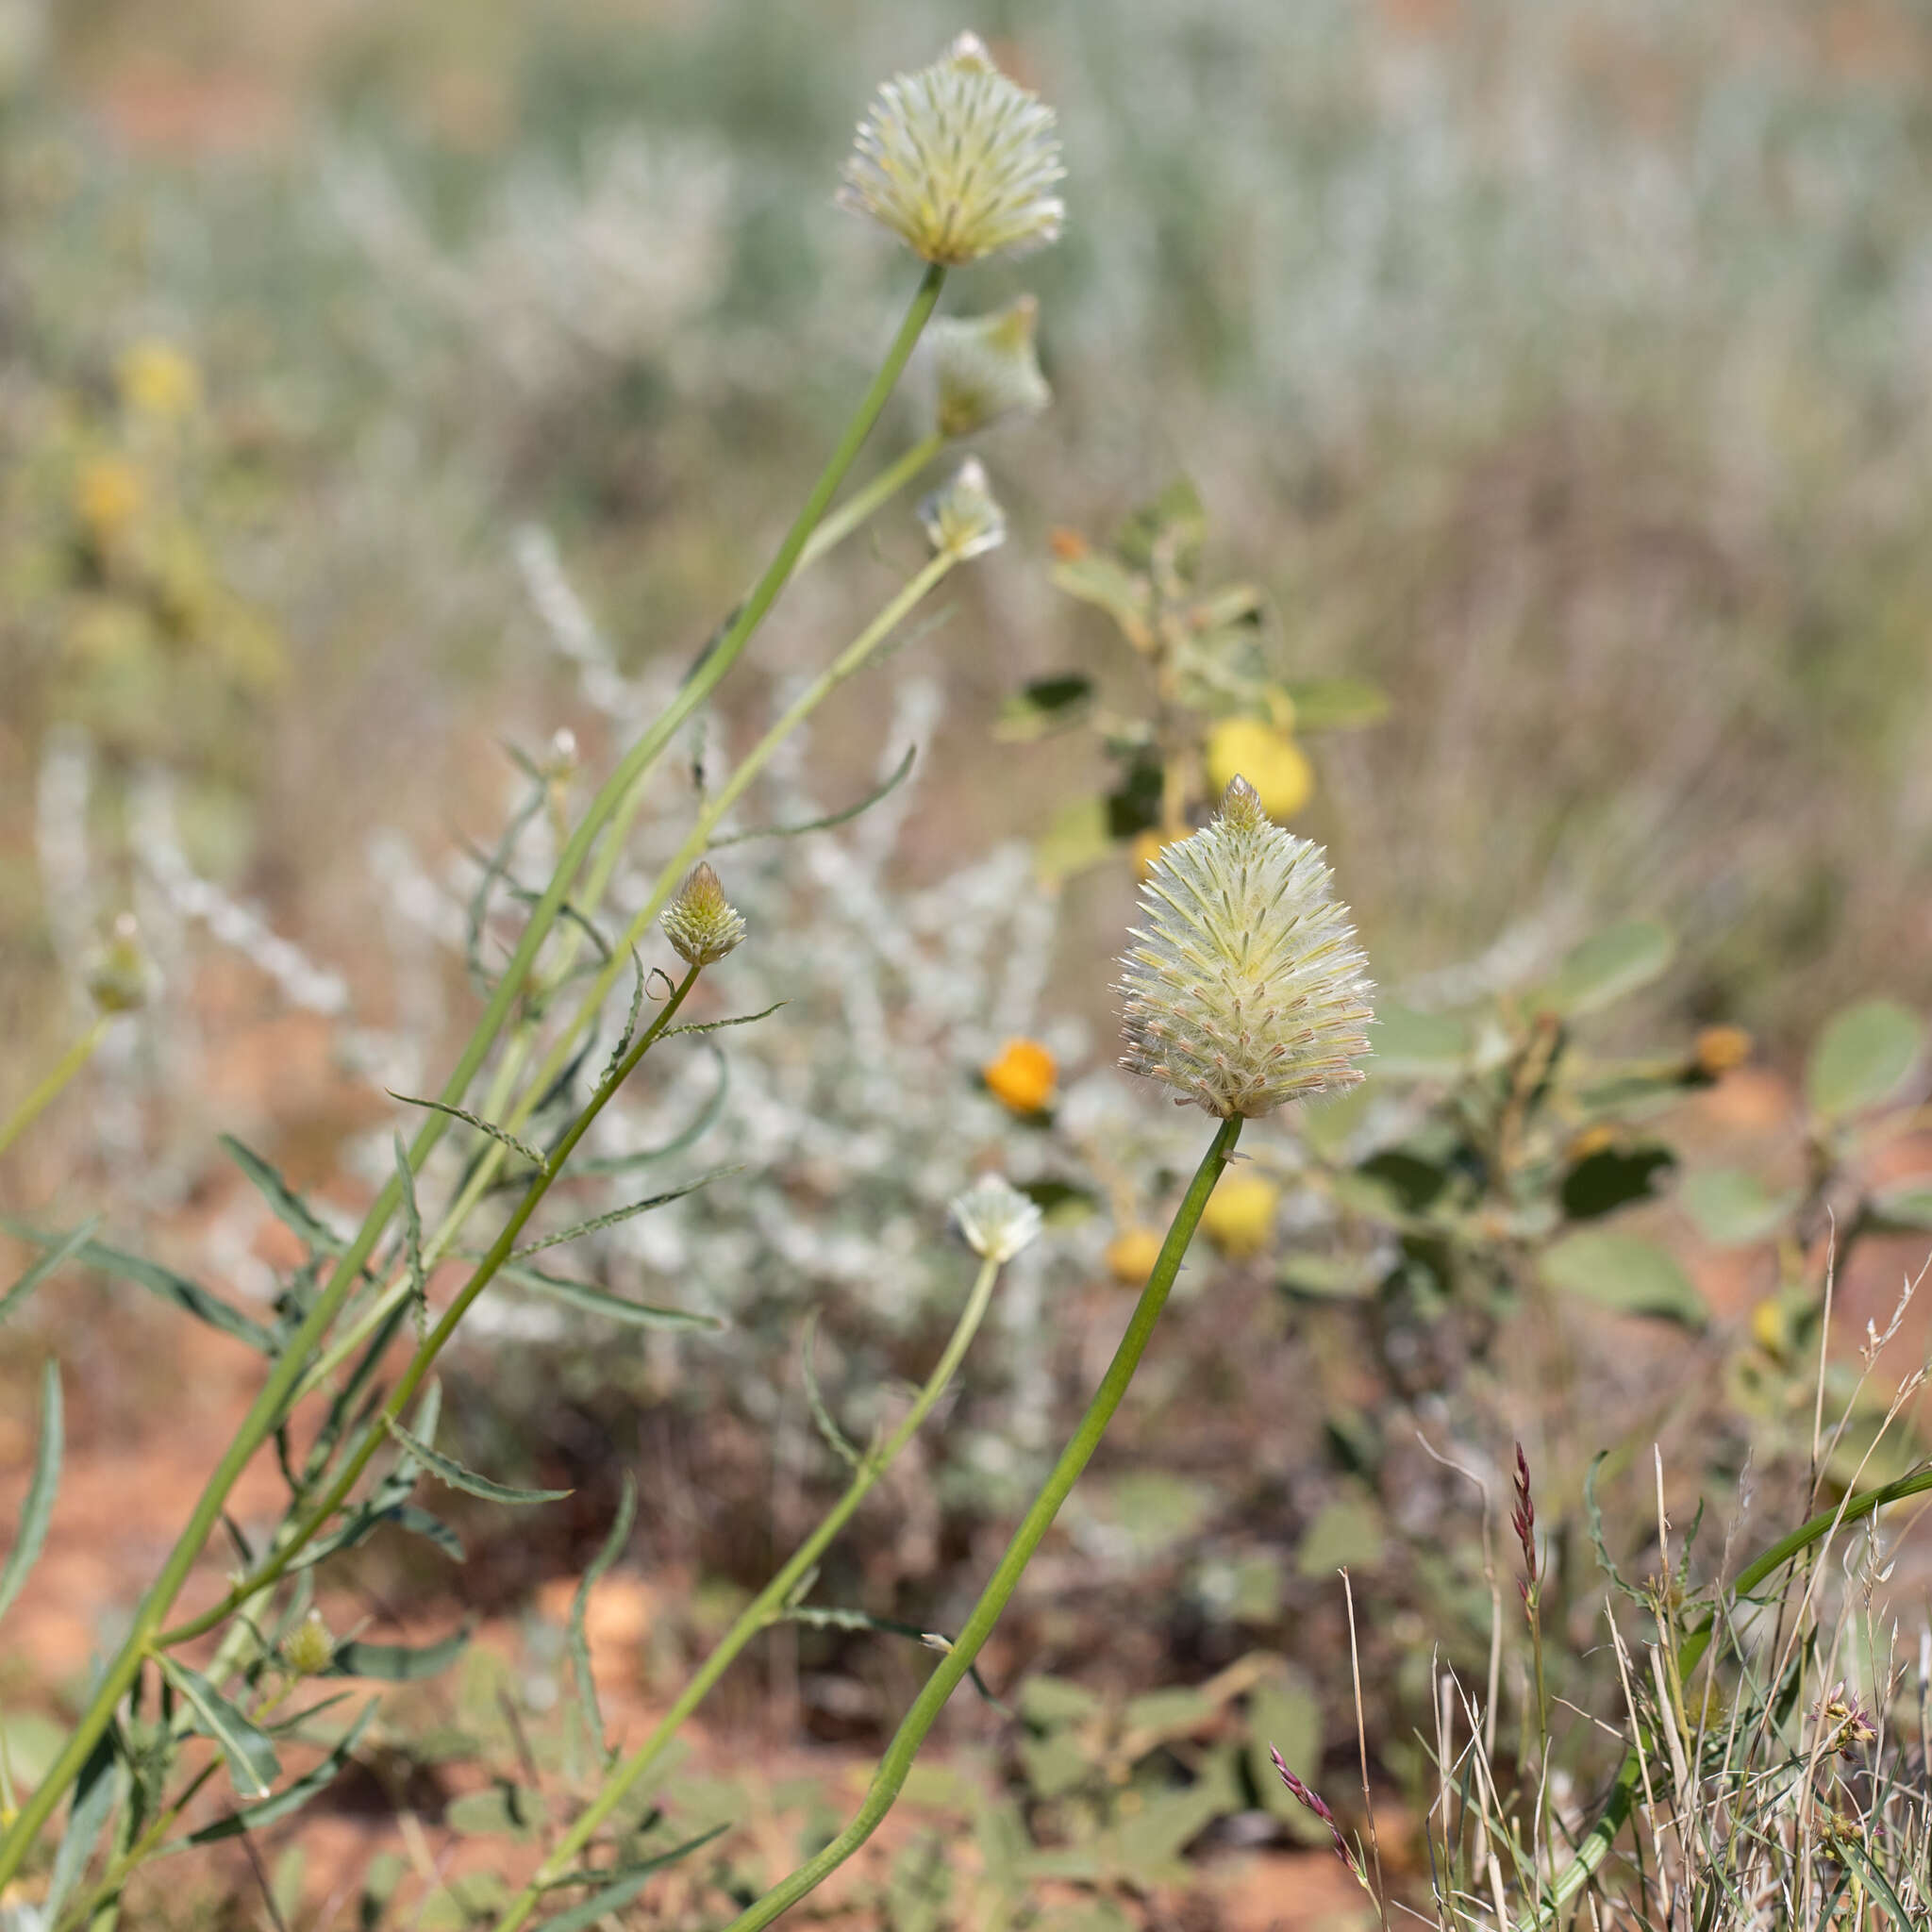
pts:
[1608, 966]
[1733, 1208]
[1861, 1059]
[1417, 1046]
[291, 1798]
[251, 1752]
[1626, 1272]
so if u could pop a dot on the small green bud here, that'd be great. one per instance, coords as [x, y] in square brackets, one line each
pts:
[700, 922]
[1247, 988]
[962, 518]
[987, 367]
[117, 971]
[309, 1647]
[995, 1217]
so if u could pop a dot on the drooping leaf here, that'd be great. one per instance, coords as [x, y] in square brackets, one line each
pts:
[719, 1026]
[1626, 1272]
[1865, 1055]
[88, 1812]
[829, 1432]
[596, 1301]
[900, 773]
[476, 1121]
[284, 1203]
[291, 1797]
[616, 1888]
[612, 1548]
[253, 1765]
[30, 1533]
[412, 1239]
[597, 1222]
[1612, 1177]
[63, 1250]
[1045, 705]
[1417, 1046]
[1733, 1208]
[702, 1123]
[396, 1663]
[447, 1469]
[1608, 966]
[365, 1519]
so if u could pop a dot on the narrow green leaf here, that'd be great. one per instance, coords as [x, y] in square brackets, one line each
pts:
[447, 1469]
[88, 1812]
[482, 1127]
[613, 1544]
[1608, 966]
[291, 1798]
[829, 1431]
[717, 1025]
[1855, 1856]
[1733, 1208]
[619, 1886]
[1043, 706]
[1863, 1057]
[284, 1203]
[64, 1251]
[1593, 1522]
[367, 1518]
[900, 774]
[702, 1123]
[412, 1240]
[596, 1301]
[620, 1215]
[251, 1752]
[31, 1532]
[396, 1663]
[639, 980]
[1624, 1272]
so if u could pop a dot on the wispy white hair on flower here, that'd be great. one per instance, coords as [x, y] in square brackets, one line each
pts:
[1246, 988]
[957, 160]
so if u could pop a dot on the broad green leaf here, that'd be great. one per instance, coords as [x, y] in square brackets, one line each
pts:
[1174, 523]
[1156, 1716]
[597, 1301]
[1417, 1046]
[1338, 704]
[1733, 1208]
[31, 1531]
[251, 1752]
[612, 1548]
[1626, 1272]
[88, 1812]
[291, 1798]
[1047, 705]
[1608, 966]
[1057, 1762]
[1861, 1059]
[286, 1204]
[1326, 1278]
[1612, 1177]
[396, 1663]
[618, 1887]
[1346, 1534]
[1285, 1713]
[447, 1469]
[1048, 1701]
[1079, 836]
[505, 1811]
[64, 1251]
[1098, 579]
[1908, 1205]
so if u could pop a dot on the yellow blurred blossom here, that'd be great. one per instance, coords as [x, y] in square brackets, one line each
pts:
[1147, 847]
[1268, 759]
[1720, 1048]
[1240, 1215]
[1769, 1327]
[1593, 1140]
[1131, 1256]
[1022, 1075]
[158, 380]
[107, 495]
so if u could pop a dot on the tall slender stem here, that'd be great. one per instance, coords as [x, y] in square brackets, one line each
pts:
[270, 1404]
[764, 1609]
[890, 1775]
[68, 1064]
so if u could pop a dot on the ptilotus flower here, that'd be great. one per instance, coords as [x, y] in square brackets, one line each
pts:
[957, 160]
[117, 972]
[700, 922]
[1246, 988]
[995, 1217]
[987, 367]
[963, 518]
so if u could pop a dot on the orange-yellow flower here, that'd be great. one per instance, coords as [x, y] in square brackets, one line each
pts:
[1267, 758]
[1720, 1048]
[1240, 1215]
[1022, 1075]
[107, 495]
[1131, 1256]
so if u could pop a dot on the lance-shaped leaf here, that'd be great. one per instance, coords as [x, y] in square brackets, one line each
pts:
[396, 1663]
[87, 1813]
[291, 1797]
[363, 1521]
[62, 1250]
[482, 1127]
[31, 1531]
[718, 1025]
[412, 1239]
[597, 1222]
[447, 1469]
[900, 774]
[253, 1765]
[702, 1121]
[286, 1204]
[618, 1887]
[596, 1301]
[579, 1604]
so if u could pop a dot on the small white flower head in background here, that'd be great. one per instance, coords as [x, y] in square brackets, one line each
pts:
[118, 971]
[988, 367]
[962, 518]
[995, 1217]
[957, 160]
[700, 922]
[1246, 988]
[564, 756]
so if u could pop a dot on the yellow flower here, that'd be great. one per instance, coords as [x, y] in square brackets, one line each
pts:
[1269, 759]
[1147, 847]
[1021, 1076]
[1131, 1256]
[108, 496]
[1240, 1215]
[158, 380]
[1720, 1048]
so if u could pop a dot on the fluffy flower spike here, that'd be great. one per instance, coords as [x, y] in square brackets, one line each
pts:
[987, 367]
[962, 519]
[995, 1217]
[957, 160]
[1246, 988]
[700, 922]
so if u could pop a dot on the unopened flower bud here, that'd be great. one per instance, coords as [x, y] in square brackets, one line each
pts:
[987, 367]
[117, 972]
[957, 160]
[700, 922]
[309, 1648]
[995, 1217]
[1246, 988]
[961, 518]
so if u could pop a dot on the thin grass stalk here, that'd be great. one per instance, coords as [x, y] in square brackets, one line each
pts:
[49, 1089]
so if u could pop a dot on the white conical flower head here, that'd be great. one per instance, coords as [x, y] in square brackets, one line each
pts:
[995, 1217]
[957, 160]
[962, 518]
[1246, 988]
[987, 367]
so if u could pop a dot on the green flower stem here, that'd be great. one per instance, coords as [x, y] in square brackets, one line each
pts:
[865, 500]
[764, 1610]
[68, 1064]
[1597, 1844]
[373, 1433]
[272, 1404]
[904, 1748]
